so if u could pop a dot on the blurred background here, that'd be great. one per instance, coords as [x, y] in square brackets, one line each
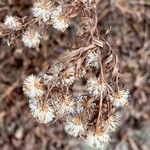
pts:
[127, 23]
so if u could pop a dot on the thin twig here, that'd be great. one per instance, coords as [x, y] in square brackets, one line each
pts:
[9, 90]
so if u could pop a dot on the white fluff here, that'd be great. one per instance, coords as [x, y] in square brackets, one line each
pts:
[74, 128]
[121, 98]
[64, 106]
[111, 124]
[92, 60]
[69, 77]
[33, 86]
[42, 112]
[12, 23]
[59, 22]
[42, 9]
[96, 140]
[94, 87]
[31, 38]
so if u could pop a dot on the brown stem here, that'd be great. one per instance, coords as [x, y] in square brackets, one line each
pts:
[101, 77]
[100, 109]
[101, 93]
[94, 28]
[117, 82]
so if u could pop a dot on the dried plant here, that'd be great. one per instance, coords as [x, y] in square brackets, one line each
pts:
[92, 112]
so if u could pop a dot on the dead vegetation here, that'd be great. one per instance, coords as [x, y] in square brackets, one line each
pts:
[125, 24]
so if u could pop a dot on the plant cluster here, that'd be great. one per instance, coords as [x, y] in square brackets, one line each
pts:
[91, 112]
[81, 88]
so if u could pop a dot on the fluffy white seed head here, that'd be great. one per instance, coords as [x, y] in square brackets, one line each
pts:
[43, 112]
[97, 140]
[69, 76]
[94, 87]
[12, 23]
[120, 98]
[31, 38]
[80, 105]
[64, 105]
[92, 60]
[111, 123]
[74, 127]
[42, 9]
[60, 22]
[33, 87]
